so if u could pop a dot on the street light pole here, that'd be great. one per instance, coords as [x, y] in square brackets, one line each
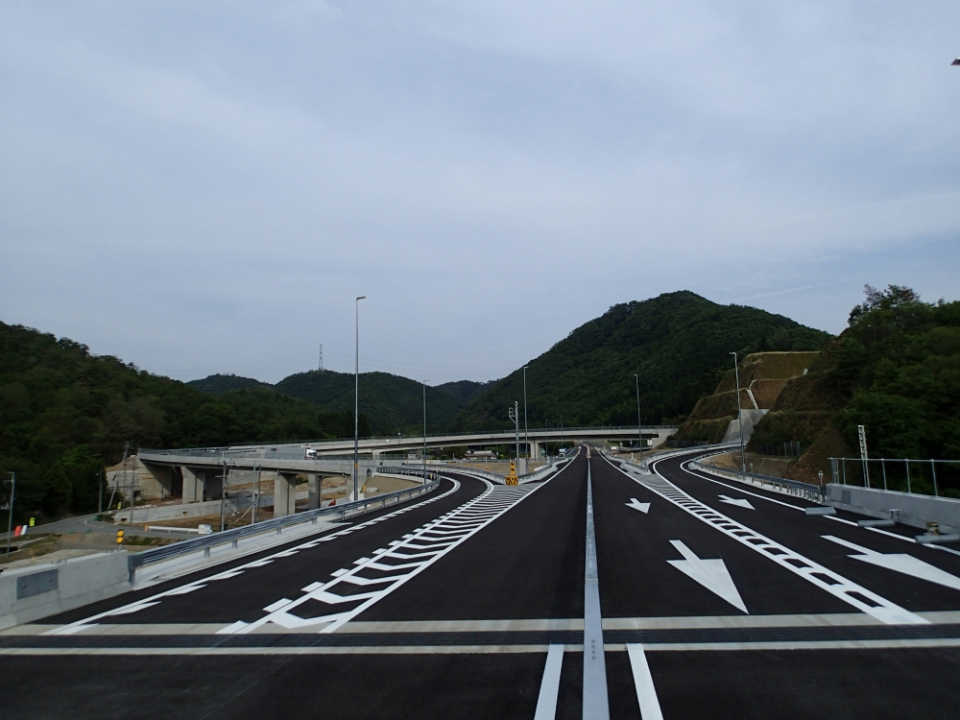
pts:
[526, 429]
[639, 423]
[424, 431]
[561, 431]
[736, 372]
[13, 495]
[356, 401]
[223, 490]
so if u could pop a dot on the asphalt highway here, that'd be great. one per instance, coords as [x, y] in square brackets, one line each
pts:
[716, 600]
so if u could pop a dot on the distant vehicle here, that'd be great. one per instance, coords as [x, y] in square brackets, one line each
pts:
[310, 453]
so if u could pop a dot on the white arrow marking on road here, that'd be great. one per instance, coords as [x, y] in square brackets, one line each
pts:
[637, 505]
[906, 564]
[742, 502]
[712, 574]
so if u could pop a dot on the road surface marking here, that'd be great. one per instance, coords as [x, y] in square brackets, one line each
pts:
[712, 574]
[484, 509]
[643, 682]
[197, 584]
[837, 585]
[637, 505]
[742, 502]
[595, 702]
[906, 564]
[550, 685]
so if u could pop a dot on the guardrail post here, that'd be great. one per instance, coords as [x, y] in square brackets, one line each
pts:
[206, 551]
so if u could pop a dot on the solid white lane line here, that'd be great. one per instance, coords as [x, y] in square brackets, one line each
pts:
[595, 702]
[643, 681]
[550, 685]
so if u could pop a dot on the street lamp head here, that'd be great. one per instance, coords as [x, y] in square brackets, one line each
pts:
[361, 297]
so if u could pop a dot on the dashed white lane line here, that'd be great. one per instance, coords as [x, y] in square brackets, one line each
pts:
[643, 682]
[550, 685]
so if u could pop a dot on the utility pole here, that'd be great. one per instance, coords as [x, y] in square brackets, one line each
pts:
[514, 414]
[526, 429]
[126, 483]
[561, 431]
[736, 372]
[13, 496]
[100, 491]
[356, 403]
[639, 422]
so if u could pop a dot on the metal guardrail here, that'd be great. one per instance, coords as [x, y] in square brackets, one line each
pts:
[358, 507]
[492, 476]
[816, 493]
[644, 464]
[793, 487]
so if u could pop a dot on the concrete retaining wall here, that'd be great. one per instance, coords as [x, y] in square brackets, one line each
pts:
[173, 512]
[30, 593]
[915, 510]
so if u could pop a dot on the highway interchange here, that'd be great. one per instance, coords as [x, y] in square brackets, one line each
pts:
[596, 593]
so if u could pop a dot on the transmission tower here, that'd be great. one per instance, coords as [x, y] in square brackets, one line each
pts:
[321, 357]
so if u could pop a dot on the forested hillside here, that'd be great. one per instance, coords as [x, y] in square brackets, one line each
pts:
[222, 384]
[678, 344]
[392, 403]
[894, 370]
[65, 413]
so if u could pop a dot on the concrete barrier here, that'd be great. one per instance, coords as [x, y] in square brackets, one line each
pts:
[30, 593]
[915, 510]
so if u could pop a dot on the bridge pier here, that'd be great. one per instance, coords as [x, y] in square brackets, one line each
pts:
[535, 450]
[315, 488]
[284, 494]
[194, 483]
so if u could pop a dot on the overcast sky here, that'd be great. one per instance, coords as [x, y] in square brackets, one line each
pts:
[205, 187]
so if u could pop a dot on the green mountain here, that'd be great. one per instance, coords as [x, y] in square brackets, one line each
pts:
[896, 371]
[463, 391]
[65, 414]
[678, 344]
[392, 403]
[222, 384]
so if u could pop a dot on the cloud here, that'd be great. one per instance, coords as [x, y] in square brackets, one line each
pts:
[206, 188]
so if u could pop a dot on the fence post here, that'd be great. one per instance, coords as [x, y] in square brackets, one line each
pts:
[883, 466]
[834, 470]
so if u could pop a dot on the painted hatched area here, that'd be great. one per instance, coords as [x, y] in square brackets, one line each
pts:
[333, 603]
[837, 585]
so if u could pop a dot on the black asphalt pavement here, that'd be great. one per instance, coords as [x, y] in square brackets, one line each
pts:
[446, 608]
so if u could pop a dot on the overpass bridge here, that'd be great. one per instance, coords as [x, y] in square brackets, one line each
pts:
[654, 434]
[199, 472]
